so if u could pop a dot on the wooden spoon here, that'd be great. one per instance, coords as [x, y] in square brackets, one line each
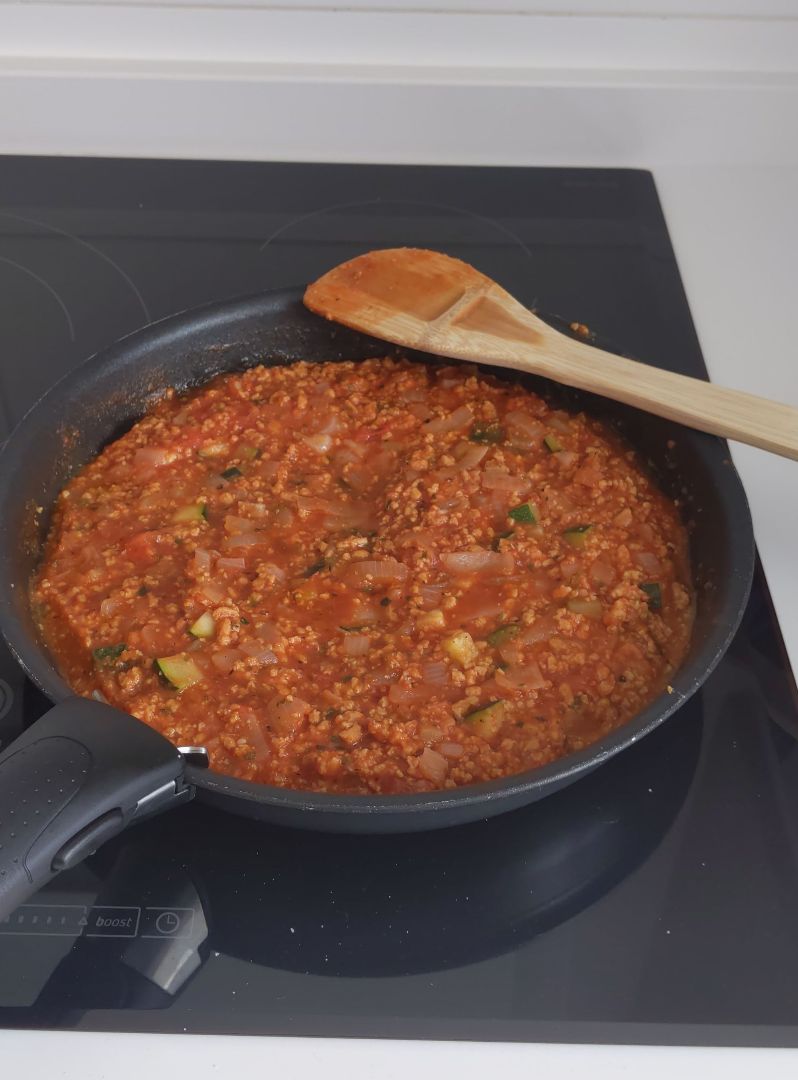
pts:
[429, 301]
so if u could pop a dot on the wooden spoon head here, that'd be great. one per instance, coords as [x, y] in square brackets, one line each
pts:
[399, 294]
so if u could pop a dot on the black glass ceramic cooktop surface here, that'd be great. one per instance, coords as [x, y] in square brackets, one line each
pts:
[654, 901]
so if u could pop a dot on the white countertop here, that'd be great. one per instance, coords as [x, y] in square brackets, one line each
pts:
[709, 105]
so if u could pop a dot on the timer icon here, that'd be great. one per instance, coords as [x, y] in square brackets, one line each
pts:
[167, 922]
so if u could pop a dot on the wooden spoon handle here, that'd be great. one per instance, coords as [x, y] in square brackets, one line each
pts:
[731, 414]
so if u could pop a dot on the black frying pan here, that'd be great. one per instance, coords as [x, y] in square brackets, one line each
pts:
[85, 771]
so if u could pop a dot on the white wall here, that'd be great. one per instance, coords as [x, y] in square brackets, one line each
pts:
[715, 8]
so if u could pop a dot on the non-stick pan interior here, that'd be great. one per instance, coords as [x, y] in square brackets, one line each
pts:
[100, 400]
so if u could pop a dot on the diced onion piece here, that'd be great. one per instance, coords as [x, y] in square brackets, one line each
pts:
[430, 734]
[224, 659]
[288, 714]
[320, 443]
[648, 562]
[541, 630]
[399, 694]
[526, 677]
[433, 765]
[255, 733]
[356, 644]
[152, 457]
[592, 609]
[560, 422]
[231, 564]
[523, 431]
[276, 573]
[468, 454]
[450, 749]
[204, 626]
[202, 560]
[460, 418]
[435, 673]
[268, 633]
[365, 615]
[385, 571]
[566, 458]
[255, 651]
[284, 515]
[479, 606]
[478, 562]
[213, 592]
[602, 573]
[430, 595]
[108, 606]
[235, 524]
[241, 540]
[499, 480]
[331, 425]
[213, 449]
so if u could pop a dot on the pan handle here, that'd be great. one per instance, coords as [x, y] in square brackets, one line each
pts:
[74, 779]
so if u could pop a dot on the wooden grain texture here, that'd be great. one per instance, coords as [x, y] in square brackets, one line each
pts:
[429, 301]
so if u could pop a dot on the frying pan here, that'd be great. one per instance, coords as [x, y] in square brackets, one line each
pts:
[85, 771]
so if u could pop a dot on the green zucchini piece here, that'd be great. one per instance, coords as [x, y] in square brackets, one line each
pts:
[577, 535]
[195, 512]
[231, 473]
[487, 720]
[552, 444]
[525, 513]
[487, 433]
[653, 590]
[106, 653]
[180, 671]
[204, 626]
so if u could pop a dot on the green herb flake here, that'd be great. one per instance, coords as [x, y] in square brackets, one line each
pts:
[108, 652]
[314, 568]
[347, 678]
[503, 634]
[142, 590]
[525, 513]
[654, 592]
[487, 433]
[243, 621]
[351, 629]
[385, 601]
[231, 473]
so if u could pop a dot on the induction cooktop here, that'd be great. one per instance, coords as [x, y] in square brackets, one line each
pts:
[653, 901]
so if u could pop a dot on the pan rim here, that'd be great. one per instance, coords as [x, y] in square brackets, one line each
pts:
[33, 660]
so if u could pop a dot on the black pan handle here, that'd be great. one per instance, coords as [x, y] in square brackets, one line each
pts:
[74, 779]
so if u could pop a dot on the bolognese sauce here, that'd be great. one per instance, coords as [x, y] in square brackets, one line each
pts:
[361, 577]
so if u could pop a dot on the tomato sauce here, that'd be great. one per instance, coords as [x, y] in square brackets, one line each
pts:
[362, 577]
